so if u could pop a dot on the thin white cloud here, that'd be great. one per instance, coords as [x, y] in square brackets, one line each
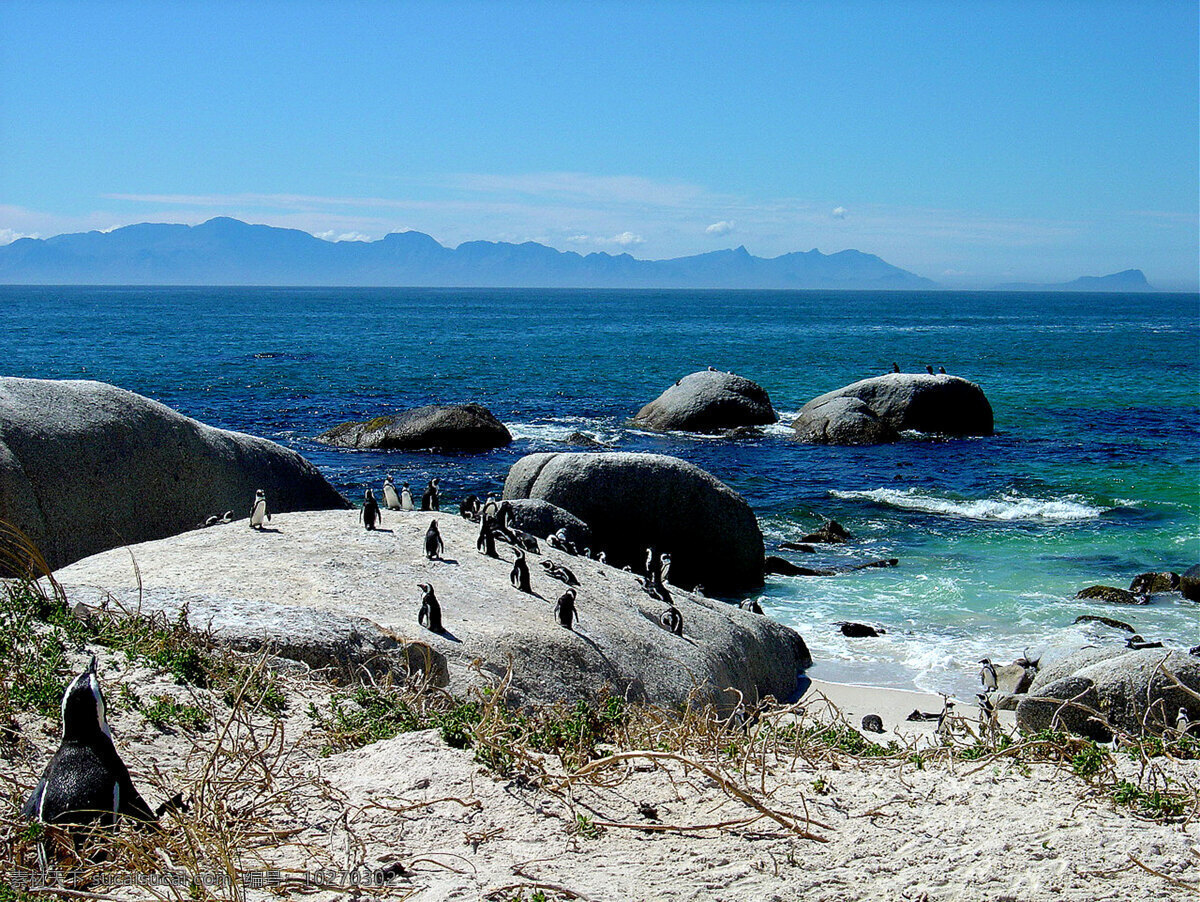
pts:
[838, 213]
[8, 236]
[724, 227]
[335, 236]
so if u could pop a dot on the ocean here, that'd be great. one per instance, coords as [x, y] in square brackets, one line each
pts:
[1093, 475]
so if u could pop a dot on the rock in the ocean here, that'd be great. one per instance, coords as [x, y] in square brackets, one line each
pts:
[709, 401]
[1189, 583]
[877, 410]
[1154, 583]
[832, 533]
[86, 466]
[1111, 595]
[852, 630]
[1095, 690]
[455, 427]
[343, 579]
[634, 501]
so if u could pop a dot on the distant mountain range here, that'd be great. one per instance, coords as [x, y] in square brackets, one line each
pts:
[1128, 280]
[227, 251]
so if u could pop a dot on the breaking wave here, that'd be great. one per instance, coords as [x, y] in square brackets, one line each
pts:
[1008, 507]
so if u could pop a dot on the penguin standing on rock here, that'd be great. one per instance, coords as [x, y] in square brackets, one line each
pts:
[391, 500]
[430, 615]
[432, 499]
[86, 780]
[520, 573]
[987, 675]
[370, 513]
[406, 502]
[559, 572]
[486, 543]
[564, 610]
[672, 620]
[258, 510]
[433, 541]
[664, 570]
[750, 604]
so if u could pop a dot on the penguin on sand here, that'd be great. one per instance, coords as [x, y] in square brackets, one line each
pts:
[391, 499]
[433, 541]
[406, 502]
[430, 615]
[370, 513]
[520, 573]
[564, 610]
[258, 510]
[86, 780]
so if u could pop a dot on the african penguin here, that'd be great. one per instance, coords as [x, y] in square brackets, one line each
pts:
[86, 779]
[258, 510]
[872, 723]
[370, 510]
[750, 604]
[486, 543]
[987, 674]
[433, 541]
[941, 371]
[430, 615]
[929, 369]
[672, 620]
[431, 500]
[520, 573]
[406, 502]
[559, 572]
[664, 569]
[564, 610]
[895, 367]
[390, 498]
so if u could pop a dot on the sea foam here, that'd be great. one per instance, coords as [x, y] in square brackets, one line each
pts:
[1007, 507]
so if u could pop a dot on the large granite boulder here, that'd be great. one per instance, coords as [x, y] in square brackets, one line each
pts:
[454, 427]
[877, 410]
[1096, 690]
[86, 466]
[364, 584]
[541, 518]
[709, 401]
[634, 501]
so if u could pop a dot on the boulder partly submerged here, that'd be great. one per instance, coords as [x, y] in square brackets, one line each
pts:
[708, 401]
[633, 501]
[453, 427]
[878, 410]
[365, 583]
[86, 466]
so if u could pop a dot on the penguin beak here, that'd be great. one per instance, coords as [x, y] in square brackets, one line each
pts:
[92, 665]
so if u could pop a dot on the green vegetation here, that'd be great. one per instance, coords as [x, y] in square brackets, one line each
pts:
[166, 712]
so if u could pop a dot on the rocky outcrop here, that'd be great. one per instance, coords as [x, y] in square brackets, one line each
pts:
[323, 574]
[86, 466]
[709, 401]
[1110, 595]
[1154, 583]
[454, 427]
[541, 518]
[1097, 690]
[1189, 583]
[634, 501]
[877, 410]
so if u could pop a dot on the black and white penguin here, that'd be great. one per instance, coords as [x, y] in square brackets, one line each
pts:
[872, 723]
[1183, 723]
[433, 541]
[86, 779]
[929, 369]
[664, 569]
[370, 513]
[750, 604]
[490, 505]
[987, 675]
[520, 573]
[430, 615]
[559, 572]
[432, 499]
[486, 543]
[258, 510]
[941, 371]
[468, 508]
[564, 609]
[895, 367]
[672, 620]
[391, 498]
[651, 564]
[602, 557]
[406, 502]
[228, 517]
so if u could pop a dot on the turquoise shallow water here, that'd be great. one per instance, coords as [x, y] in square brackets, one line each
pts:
[1093, 475]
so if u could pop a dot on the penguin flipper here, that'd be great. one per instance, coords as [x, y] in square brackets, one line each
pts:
[29, 810]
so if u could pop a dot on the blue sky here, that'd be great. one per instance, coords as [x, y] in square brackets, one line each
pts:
[972, 143]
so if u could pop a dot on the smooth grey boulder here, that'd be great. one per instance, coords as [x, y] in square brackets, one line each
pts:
[541, 518]
[634, 501]
[708, 401]
[86, 466]
[877, 410]
[457, 427]
[323, 575]
[1095, 691]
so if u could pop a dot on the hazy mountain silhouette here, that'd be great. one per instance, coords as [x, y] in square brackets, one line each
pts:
[227, 251]
[1127, 280]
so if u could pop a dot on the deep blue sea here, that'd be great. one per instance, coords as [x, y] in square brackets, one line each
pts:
[1093, 475]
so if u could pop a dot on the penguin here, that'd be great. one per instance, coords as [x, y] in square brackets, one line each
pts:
[564, 610]
[987, 712]
[1182, 722]
[433, 541]
[559, 572]
[490, 505]
[987, 675]
[228, 517]
[872, 723]
[520, 573]
[406, 502]
[1137, 643]
[698, 589]
[651, 564]
[750, 604]
[430, 615]
[486, 543]
[390, 499]
[370, 511]
[602, 557]
[664, 569]
[431, 500]
[86, 780]
[895, 367]
[468, 508]
[672, 620]
[212, 521]
[929, 369]
[941, 371]
[258, 510]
